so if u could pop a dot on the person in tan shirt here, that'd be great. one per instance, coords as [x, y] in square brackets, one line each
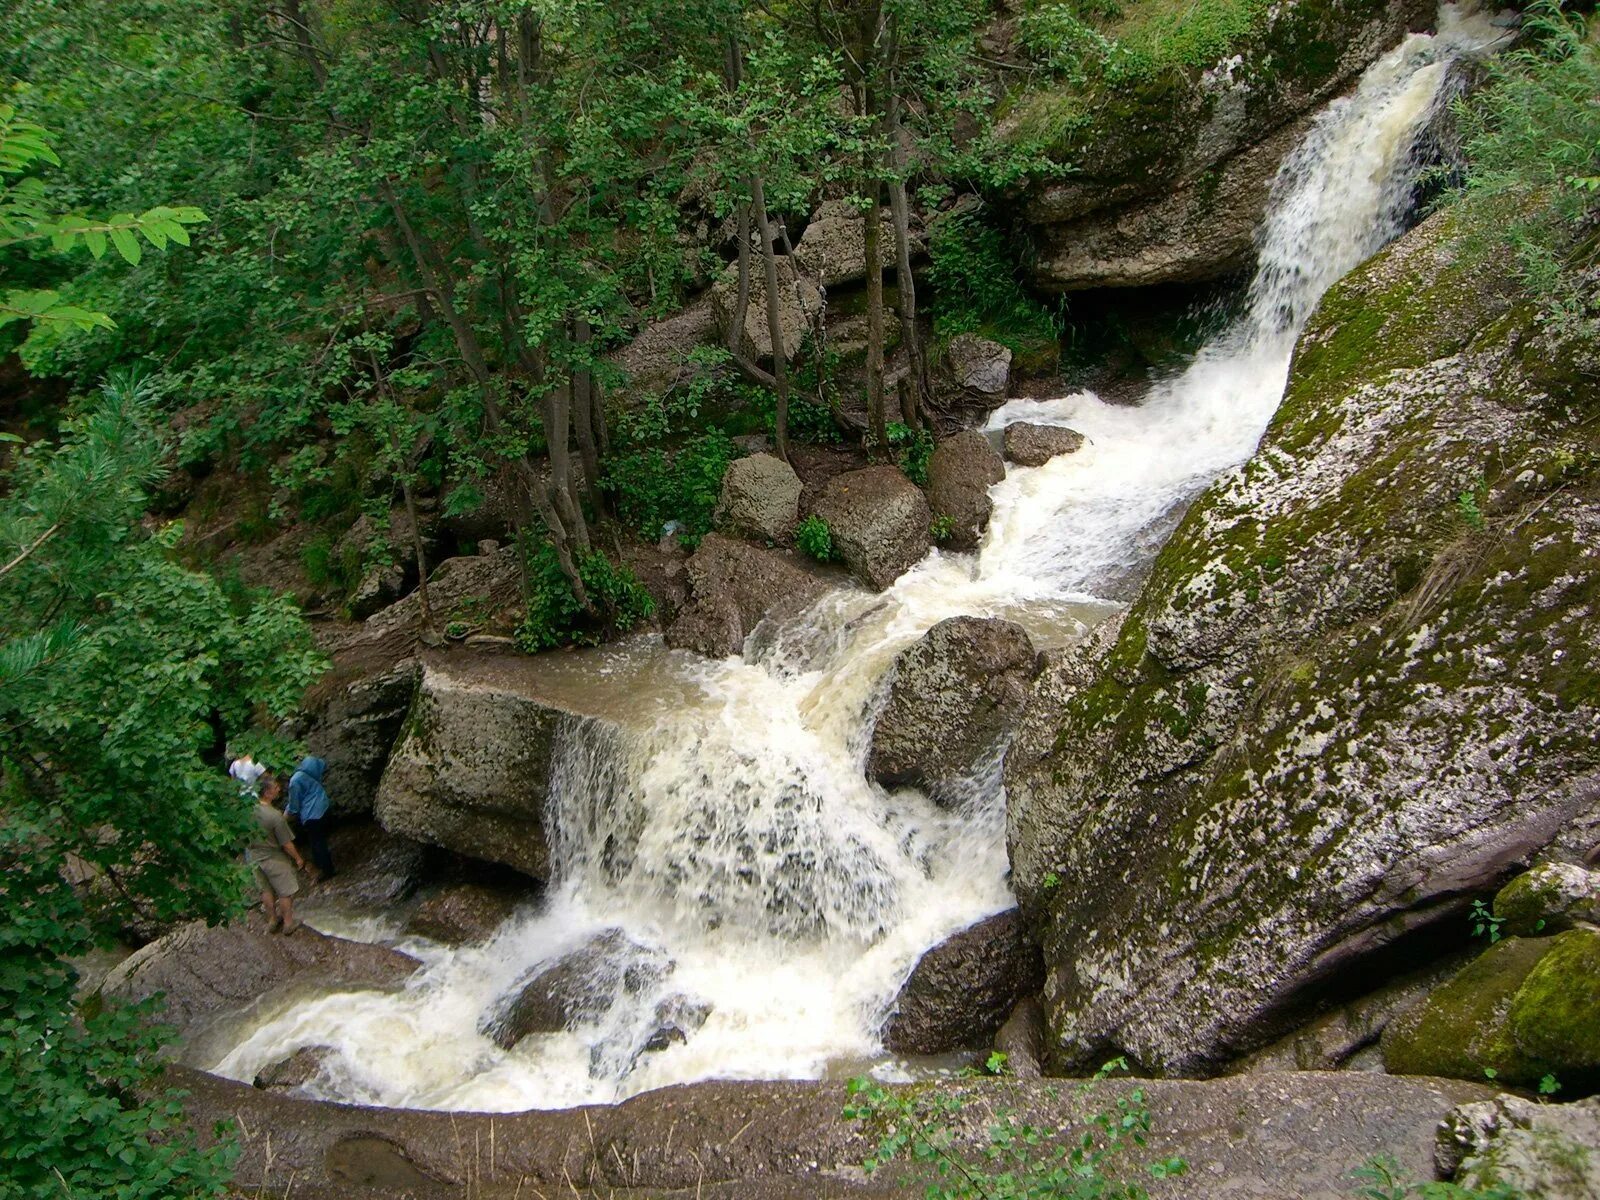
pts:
[270, 854]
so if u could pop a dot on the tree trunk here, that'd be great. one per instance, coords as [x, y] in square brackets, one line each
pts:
[734, 338]
[416, 549]
[874, 256]
[912, 397]
[584, 422]
[780, 373]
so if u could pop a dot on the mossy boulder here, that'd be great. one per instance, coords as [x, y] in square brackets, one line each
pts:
[1526, 1008]
[1360, 682]
[1549, 898]
[1172, 164]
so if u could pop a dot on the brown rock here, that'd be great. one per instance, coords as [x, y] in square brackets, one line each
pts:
[576, 988]
[961, 991]
[733, 586]
[960, 472]
[879, 520]
[465, 912]
[1030, 445]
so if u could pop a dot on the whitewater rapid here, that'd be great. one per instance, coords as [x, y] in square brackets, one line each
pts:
[730, 825]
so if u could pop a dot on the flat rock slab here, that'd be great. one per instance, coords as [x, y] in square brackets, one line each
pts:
[1264, 1138]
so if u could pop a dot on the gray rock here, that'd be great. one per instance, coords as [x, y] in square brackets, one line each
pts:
[1021, 1039]
[471, 770]
[800, 303]
[355, 729]
[760, 498]
[1030, 445]
[879, 520]
[979, 366]
[293, 1072]
[1548, 898]
[376, 869]
[1261, 1138]
[833, 249]
[961, 470]
[954, 698]
[1331, 711]
[1548, 1151]
[733, 587]
[961, 991]
[576, 988]
[658, 358]
[210, 975]
[461, 913]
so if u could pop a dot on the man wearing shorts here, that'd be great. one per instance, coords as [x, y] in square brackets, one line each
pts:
[270, 854]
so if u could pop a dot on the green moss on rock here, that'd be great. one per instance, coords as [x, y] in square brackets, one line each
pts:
[1555, 1015]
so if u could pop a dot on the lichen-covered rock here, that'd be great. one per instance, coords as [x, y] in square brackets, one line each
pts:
[760, 498]
[1173, 175]
[1345, 697]
[1548, 898]
[961, 470]
[833, 249]
[465, 912]
[1516, 1147]
[978, 366]
[471, 771]
[799, 304]
[879, 520]
[955, 695]
[1031, 445]
[733, 587]
[961, 991]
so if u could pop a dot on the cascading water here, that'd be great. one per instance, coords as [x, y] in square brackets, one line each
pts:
[729, 829]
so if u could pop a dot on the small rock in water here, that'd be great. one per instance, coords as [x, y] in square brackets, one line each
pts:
[465, 912]
[960, 472]
[295, 1071]
[575, 989]
[1030, 445]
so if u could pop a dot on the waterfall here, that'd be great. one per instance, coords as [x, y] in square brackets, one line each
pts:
[732, 832]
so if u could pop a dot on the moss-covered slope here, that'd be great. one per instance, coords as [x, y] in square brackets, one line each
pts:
[1359, 685]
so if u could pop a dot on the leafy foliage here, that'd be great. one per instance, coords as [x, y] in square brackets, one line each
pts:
[814, 538]
[1532, 144]
[654, 486]
[120, 670]
[1382, 1179]
[1020, 1161]
[555, 618]
[912, 450]
[977, 287]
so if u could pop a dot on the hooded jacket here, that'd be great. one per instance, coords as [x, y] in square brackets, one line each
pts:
[307, 799]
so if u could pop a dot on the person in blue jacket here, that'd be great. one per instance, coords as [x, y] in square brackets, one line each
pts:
[308, 803]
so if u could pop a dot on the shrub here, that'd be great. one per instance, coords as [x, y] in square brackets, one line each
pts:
[913, 448]
[653, 487]
[555, 618]
[815, 538]
[942, 527]
[976, 287]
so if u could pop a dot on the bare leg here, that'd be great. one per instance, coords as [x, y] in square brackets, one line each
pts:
[286, 911]
[269, 906]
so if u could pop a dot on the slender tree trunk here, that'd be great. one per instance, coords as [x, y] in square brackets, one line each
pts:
[416, 549]
[780, 372]
[300, 30]
[734, 338]
[874, 256]
[911, 397]
[584, 422]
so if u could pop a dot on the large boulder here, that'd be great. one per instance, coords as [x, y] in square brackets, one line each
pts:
[1509, 1146]
[1170, 181]
[961, 992]
[833, 249]
[1031, 445]
[961, 470]
[733, 587]
[1525, 1009]
[760, 498]
[209, 975]
[1548, 898]
[471, 771]
[659, 355]
[954, 698]
[576, 988]
[354, 729]
[979, 367]
[1357, 686]
[799, 304]
[376, 869]
[879, 520]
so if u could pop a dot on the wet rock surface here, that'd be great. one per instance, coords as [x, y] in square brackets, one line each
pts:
[1255, 1139]
[961, 470]
[733, 586]
[460, 913]
[954, 697]
[375, 869]
[879, 521]
[1329, 714]
[293, 1072]
[962, 990]
[1030, 445]
[576, 988]
[760, 498]
[471, 770]
[210, 975]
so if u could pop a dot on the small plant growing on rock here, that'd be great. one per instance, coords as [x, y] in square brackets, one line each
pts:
[1485, 923]
[1382, 1179]
[912, 450]
[1019, 1161]
[813, 537]
[940, 529]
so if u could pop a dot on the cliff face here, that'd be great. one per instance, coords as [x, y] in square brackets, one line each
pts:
[1171, 170]
[1359, 685]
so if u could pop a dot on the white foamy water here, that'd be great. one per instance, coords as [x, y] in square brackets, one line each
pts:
[728, 826]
